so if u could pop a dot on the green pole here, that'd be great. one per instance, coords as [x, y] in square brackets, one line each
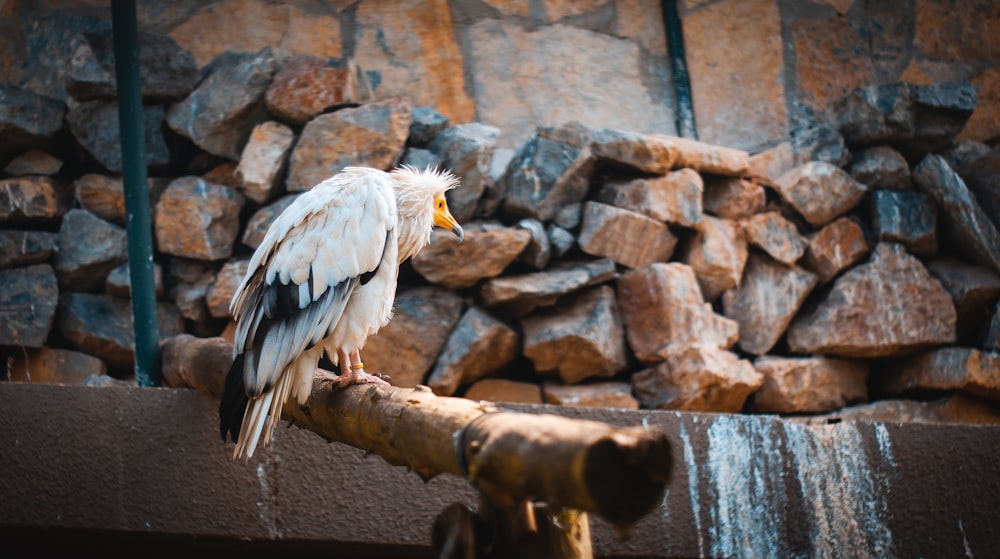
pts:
[138, 223]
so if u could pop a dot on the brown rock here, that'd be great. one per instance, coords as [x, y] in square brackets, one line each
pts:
[538, 253]
[33, 200]
[766, 166]
[946, 369]
[838, 245]
[809, 384]
[197, 219]
[671, 198]
[199, 363]
[629, 238]
[28, 304]
[662, 310]
[775, 235]
[642, 151]
[578, 339]
[33, 162]
[982, 125]
[406, 348]
[372, 135]
[104, 196]
[766, 302]
[309, 85]
[53, 365]
[503, 390]
[717, 253]
[697, 378]
[263, 160]
[890, 306]
[733, 197]
[819, 191]
[479, 346]
[519, 295]
[487, 250]
[705, 157]
[220, 294]
[591, 395]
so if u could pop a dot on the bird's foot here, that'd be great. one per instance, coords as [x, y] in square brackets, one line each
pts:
[359, 376]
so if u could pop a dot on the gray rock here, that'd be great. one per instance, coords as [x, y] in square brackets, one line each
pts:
[479, 346]
[963, 218]
[908, 218]
[27, 120]
[101, 325]
[427, 123]
[28, 303]
[95, 126]
[467, 150]
[168, 71]
[881, 168]
[519, 295]
[220, 113]
[89, 248]
[23, 248]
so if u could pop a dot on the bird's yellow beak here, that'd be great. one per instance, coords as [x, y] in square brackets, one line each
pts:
[444, 219]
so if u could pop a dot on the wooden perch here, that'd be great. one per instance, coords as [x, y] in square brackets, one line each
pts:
[619, 474]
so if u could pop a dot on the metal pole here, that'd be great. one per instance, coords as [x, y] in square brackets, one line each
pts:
[138, 222]
[678, 68]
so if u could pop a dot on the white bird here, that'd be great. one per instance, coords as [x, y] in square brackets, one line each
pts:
[322, 281]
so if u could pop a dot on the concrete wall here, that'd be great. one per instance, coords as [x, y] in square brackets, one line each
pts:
[143, 467]
[760, 70]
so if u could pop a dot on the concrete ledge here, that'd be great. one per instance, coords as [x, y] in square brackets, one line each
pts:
[145, 467]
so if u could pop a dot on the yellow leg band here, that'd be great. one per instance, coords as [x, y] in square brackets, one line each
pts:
[358, 366]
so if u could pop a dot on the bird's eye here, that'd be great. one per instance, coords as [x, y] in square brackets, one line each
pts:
[440, 204]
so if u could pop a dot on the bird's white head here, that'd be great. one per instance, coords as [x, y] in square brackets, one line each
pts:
[420, 199]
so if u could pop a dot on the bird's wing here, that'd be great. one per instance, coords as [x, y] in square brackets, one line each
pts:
[316, 252]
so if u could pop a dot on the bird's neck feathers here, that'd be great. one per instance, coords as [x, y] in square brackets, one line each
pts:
[415, 194]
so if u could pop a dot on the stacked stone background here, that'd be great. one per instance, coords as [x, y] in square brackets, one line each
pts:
[858, 263]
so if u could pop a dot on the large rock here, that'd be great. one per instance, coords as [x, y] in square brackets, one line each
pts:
[406, 348]
[28, 302]
[23, 248]
[908, 218]
[467, 150]
[946, 369]
[101, 325]
[976, 235]
[834, 248]
[197, 219]
[89, 248]
[974, 289]
[27, 120]
[775, 235]
[33, 201]
[697, 378]
[662, 311]
[809, 384]
[307, 86]
[591, 395]
[889, 306]
[578, 339]
[717, 253]
[371, 135]
[54, 366]
[479, 346]
[819, 191]
[766, 301]
[95, 126]
[263, 161]
[629, 238]
[671, 198]
[487, 250]
[220, 113]
[550, 171]
[168, 71]
[521, 294]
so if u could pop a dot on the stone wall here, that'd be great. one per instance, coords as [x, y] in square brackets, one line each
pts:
[824, 245]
